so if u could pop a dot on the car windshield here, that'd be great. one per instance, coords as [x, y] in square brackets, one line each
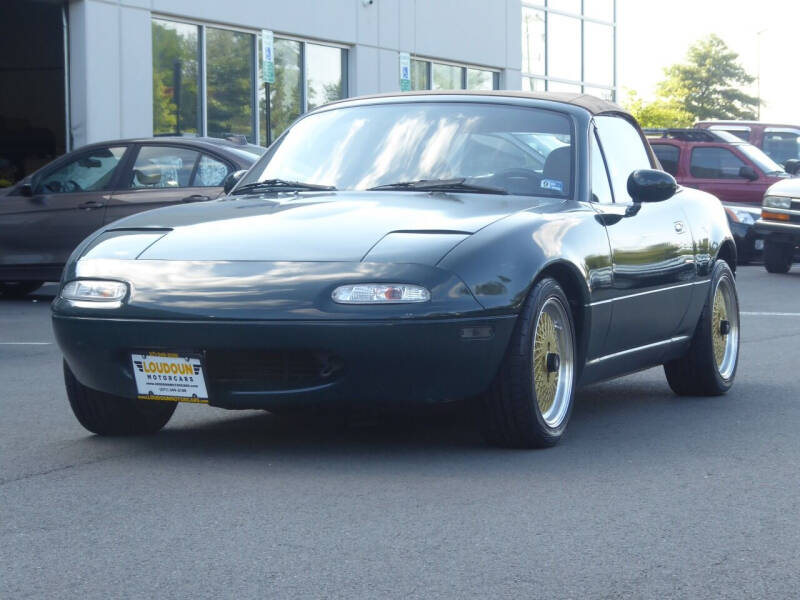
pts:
[439, 146]
[763, 162]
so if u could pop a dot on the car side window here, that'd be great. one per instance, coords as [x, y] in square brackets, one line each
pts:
[601, 188]
[91, 171]
[780, 146]
[210, 172]
[159, 167]
[668, 157]
[624, 150]
[715, 163]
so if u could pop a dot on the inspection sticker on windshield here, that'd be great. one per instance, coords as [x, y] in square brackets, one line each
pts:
[552, 184]
[169, 377]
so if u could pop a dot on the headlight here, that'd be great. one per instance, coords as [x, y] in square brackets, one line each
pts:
[380, 293]
[94, 291]
[777, 201]
[740, 215]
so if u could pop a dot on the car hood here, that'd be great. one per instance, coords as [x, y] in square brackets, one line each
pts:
[335, 226]
[786, 187]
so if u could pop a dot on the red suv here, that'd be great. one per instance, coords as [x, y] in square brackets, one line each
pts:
[722, 164]
[780, 142]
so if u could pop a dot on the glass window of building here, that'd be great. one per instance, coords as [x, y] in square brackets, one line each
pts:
[532, 84]
[446, 77]
[229, 82]
[570, 6]
[176, 72]
[479, 79]
[580, 41]
[564, 47]
[420, 79]
[324, 78]
[599, 9]
[286, 94]
[598, 53]
[533, 41]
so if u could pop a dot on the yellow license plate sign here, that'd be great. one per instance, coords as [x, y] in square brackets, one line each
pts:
[169, 377]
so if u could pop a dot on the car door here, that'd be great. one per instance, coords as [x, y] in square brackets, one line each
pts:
[652, 251]
[67, 204]
[163, 174]
[718, 170]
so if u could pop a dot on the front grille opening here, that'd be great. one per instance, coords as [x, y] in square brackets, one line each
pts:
[272, 370]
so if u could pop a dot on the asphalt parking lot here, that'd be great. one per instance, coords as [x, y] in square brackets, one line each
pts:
[648, 496]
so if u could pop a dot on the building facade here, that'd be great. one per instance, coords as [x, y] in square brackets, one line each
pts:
[129, 68]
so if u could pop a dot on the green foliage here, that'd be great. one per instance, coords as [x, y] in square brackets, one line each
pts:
[709, 85]
[174, 53]
[659, 113]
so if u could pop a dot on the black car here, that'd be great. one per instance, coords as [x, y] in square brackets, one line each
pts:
[47, 214]
[413, 248]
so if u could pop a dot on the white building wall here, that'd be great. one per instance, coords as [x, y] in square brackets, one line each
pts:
[111, 50]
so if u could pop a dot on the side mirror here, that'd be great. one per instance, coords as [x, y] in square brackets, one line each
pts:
[748, 172]
[792, 166]
[26, 189]
[148, 176]
[231, 180]
[649, 185]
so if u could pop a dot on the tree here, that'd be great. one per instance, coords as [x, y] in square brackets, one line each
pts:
[659, 113]
[709, 85]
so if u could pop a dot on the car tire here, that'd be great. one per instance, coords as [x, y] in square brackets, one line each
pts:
[778, 257]
[530, 401]
[709, 367]
[18, 289]
[105, 414]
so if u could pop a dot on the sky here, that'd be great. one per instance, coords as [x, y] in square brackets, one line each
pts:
[653, 34]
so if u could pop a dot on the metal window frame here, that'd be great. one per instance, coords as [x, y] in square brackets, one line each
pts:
[543, 5]
[429, 61]
[202, 57]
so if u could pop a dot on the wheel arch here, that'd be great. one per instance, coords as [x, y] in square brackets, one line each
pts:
[727, 252]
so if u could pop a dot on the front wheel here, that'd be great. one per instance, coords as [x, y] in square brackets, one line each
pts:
[778, 257]
[530, 401]
[105, 414]
[709, 367]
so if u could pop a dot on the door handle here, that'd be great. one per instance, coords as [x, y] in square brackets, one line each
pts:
[195, 198]
[91, 205]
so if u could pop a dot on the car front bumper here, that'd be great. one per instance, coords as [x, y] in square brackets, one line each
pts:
[412, 361]
[778, 231]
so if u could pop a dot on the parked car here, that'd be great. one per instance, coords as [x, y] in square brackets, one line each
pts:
[401, 249]
[47, 214]
[780, 225]
[717, 162]
[780, 142]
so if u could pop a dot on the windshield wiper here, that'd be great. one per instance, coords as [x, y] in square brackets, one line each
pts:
[440, 185]
[272, 184]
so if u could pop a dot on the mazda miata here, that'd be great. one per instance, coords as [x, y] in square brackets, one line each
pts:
[503, 247]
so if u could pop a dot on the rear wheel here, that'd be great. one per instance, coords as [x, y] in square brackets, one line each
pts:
[708, 369]
[778, 256]
[18, 289]
[530, 401]
[105, 414]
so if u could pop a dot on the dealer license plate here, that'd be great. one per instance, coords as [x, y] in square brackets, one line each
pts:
[170, 377]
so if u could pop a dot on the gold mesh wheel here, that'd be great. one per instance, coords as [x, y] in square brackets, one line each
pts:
[553, 362]
[725, 328]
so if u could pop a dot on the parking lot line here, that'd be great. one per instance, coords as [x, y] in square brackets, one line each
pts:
[25, 343]
[770, 314]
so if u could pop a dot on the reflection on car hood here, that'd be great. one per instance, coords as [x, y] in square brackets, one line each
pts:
[329, 226]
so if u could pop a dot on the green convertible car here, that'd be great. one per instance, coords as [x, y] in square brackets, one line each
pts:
[414, 248]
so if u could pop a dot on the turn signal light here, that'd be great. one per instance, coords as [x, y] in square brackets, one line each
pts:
[94, 290]
[774, 216]
[380, 293]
